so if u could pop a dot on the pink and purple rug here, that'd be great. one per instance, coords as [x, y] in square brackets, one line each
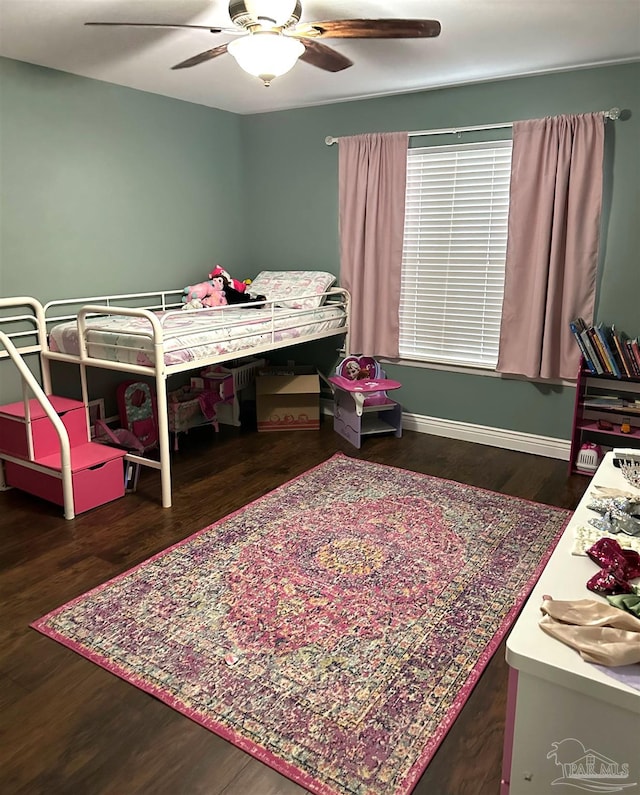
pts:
[333, 628]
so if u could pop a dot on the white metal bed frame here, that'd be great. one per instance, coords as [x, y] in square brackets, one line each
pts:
[38, 319]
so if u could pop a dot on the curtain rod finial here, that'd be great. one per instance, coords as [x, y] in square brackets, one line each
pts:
[329, 140]
[613, 114]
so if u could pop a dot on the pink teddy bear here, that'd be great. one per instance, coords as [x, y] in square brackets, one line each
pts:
[215, 296]
[211, 293]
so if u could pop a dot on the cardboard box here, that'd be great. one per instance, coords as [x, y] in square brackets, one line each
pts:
[288, 399]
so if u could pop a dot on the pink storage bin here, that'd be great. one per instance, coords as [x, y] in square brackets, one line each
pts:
[14, 430]
[97, 476]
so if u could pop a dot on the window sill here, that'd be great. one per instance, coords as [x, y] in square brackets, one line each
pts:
[478, 371]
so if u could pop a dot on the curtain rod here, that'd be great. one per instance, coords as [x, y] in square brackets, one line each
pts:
[613, 114]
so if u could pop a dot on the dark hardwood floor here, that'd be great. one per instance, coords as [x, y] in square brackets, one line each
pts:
[70, 728]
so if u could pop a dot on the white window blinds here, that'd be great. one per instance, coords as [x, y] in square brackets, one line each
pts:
[455, 241]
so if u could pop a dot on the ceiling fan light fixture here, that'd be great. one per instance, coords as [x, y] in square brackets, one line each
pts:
[266, 54]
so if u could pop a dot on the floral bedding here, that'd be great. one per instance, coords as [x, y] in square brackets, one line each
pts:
[293, 289]
[192, 336]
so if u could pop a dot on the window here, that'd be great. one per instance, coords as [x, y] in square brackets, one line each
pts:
[455, 241]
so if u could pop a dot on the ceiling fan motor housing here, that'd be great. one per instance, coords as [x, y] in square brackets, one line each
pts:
[246, 14]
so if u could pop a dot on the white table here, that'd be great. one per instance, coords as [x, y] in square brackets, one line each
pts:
[555, 696]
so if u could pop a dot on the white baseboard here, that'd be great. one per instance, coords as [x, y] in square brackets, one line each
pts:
[494, 437]
[482, 434]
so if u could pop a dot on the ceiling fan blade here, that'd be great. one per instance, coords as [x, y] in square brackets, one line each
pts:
[324, 57]
[369, 29]
[207, 55]
[164, 25]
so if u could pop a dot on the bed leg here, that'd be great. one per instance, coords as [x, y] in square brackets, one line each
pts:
[163, 434]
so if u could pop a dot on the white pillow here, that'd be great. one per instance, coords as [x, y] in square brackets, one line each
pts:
[282, 286]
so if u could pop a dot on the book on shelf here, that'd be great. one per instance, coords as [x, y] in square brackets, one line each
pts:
[635, 347]
[620, 407]
[607, 369]
[577, 326]
[605, 350]
[633, 354]
[598, 360]
[621, 349]
[604, 335]
[603, 401]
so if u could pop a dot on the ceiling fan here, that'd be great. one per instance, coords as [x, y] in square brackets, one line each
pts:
[271, 38]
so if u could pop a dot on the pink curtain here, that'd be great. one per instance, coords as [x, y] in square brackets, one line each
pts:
[552, 248]
[372, 174]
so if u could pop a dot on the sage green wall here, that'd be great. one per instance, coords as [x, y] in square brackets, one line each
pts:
[107, 189]
[104, 189]
[292, 203]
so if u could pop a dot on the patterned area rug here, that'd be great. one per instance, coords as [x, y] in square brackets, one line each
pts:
[333, 628]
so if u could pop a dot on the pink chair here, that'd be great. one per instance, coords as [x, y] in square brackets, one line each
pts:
[361, 406]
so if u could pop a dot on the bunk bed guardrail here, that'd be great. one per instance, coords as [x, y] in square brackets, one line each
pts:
[254, 329]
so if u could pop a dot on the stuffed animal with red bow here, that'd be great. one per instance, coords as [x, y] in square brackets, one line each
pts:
[234, 290]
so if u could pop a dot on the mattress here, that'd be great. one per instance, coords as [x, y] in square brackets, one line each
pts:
[194, 336]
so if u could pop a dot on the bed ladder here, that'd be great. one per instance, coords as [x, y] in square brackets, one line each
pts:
[51, 457]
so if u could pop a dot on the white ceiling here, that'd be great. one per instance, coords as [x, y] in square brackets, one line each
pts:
[480, 40]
